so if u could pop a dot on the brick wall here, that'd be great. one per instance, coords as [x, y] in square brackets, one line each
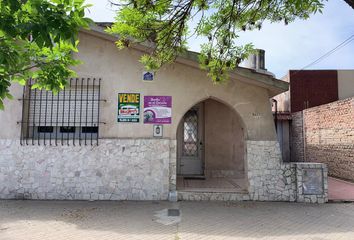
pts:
[329, 136]
[297, 140]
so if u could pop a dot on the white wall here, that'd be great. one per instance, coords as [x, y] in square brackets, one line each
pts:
[345, 84]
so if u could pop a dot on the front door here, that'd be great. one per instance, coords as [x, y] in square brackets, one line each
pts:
[190, 142]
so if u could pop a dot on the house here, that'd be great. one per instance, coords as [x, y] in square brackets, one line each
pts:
[115, 134]
[311, 88]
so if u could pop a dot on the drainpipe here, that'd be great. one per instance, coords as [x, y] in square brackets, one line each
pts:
[275, 114]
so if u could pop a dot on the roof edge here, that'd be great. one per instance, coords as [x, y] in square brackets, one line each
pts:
[275, 86]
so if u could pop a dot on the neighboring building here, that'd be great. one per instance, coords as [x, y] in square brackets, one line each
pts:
[311, 88]
[115, 133]
[307, 89]
[315, 119]
[326, 134]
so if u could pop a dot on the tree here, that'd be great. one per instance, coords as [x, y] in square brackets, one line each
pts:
[37, 38]
[164, 23]
[350, 3]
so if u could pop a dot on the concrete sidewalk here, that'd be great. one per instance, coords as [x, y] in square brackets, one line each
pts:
[68, 220]
[340, 190]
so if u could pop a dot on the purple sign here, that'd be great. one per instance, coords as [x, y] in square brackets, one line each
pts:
[157, 109]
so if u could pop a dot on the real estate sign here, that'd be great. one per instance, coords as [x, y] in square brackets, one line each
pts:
[128, 107]
[157, 109]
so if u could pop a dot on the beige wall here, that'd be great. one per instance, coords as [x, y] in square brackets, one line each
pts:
[224, 143]
[283, 98]
[121, 72]
[186, 85]
[11, 116]
[345, 84]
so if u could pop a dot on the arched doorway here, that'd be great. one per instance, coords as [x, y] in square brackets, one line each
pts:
[211, 149]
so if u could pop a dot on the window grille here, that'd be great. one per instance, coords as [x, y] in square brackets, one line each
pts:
[69, 117]
[190, 133]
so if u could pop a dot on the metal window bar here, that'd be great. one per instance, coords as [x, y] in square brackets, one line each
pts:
[27, 87]
[93, 97]
[51, 119]
[46, 117]
[34, 112]
[56, 128]
[98, 110]
[68, 133]
[23, 113]
[39, 116]
[88, 80]
[75, 107]
[82, 84]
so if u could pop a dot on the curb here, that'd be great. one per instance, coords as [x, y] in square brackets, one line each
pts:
[340, 201]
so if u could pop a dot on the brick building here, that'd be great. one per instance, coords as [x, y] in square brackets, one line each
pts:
[315, 119]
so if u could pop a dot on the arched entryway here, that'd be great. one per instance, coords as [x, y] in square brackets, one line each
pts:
[211, 149]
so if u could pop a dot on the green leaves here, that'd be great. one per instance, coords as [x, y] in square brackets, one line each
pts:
[37, 38]
[163, 24]
[146, 21]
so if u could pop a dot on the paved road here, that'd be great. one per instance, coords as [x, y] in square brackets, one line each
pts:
[29, 220]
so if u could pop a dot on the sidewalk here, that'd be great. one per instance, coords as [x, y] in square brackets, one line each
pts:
[67, 220]
[339, 190]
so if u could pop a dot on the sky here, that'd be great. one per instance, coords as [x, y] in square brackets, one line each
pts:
[287, 47]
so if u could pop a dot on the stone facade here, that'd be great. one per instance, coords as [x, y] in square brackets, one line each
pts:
[321, 190]
[137, 169]
[119, 169]
[173, 171]
[272, 180]
[269, 178]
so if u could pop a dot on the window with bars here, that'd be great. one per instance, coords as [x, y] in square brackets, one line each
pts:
[69, 117]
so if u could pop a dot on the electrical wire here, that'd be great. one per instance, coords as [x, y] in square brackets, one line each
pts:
[324, 56]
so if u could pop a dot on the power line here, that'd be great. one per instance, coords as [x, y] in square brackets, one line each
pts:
[341, 45]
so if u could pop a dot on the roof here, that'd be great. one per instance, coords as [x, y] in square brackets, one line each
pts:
[190, 58]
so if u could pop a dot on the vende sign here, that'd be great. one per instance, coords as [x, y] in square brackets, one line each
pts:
[128, 107]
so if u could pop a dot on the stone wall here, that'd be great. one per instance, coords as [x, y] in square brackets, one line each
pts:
[269, 178]
[132, 169]
[312, 183]
[328, 137]
[173, 166]
[117, 169]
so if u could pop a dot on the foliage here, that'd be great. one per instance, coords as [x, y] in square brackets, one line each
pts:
[165, 24]
[37, 38]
